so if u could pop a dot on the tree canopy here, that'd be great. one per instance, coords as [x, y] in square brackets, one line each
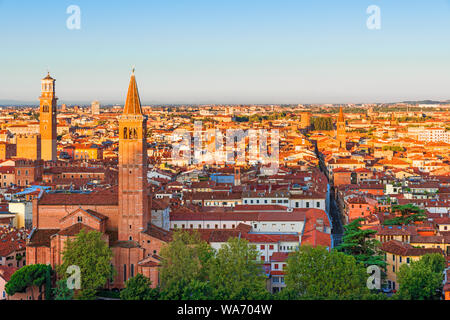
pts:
[322, 123]
[421, 279]
[62, 292]
[186, 258]
[361, 245]
[138, 288]
[408, 214]
[316, 273]
[28, 276]
[236, 273]
[192, 270]
[93, 256]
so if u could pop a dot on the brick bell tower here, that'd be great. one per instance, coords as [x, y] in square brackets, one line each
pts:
[47, 119]
[133, 198]
[340, 132]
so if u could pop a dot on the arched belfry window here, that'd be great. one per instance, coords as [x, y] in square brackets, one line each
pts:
[133, 133]
[125, 133]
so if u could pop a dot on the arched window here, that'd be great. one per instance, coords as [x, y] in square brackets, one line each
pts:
[125, 133]
[131, 133]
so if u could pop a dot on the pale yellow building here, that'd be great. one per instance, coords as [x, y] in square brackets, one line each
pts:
[397, 254]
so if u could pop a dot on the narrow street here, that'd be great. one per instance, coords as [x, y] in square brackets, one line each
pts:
[336, 216]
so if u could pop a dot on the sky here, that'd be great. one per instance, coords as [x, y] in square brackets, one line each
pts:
[227, 51]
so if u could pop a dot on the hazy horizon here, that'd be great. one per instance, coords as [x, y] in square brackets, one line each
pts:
[234, 52]
[6, 103]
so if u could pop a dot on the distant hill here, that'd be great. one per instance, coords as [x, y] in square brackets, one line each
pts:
[427, 102]
[7, 103]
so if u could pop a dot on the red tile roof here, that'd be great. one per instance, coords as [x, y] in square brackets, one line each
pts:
[296, 215]
[405, 249]
[6, 272]
[158, 233]
[279, 256]
[75, 229]
[41, 237]
[94, 198]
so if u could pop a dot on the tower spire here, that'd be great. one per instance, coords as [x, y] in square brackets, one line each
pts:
[133, 102]
[341, 115]
[340, 126]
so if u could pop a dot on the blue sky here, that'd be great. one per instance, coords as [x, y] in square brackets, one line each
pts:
[227, 51]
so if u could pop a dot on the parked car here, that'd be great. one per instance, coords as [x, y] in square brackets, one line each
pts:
[386, 290]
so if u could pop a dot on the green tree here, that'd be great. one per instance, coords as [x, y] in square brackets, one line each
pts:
[138, 288]
[93, 256]
[185, 259]
[192, 290]
[197, 290]
[421, 279]
[408, 214]
[29, 276]
[393, 148]
[322, 123]
[236, 274]
[316, 273]
[62, 292]
[360, 244]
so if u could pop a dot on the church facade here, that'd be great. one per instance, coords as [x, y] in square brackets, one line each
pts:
[121, 213]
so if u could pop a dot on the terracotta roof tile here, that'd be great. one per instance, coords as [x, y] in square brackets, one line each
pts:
[41, 237]
[75, 229]
[79, 199]
[405, 249]
[6, 272]
[158, 233]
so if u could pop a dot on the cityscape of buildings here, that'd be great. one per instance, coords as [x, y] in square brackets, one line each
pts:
[112, 169]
